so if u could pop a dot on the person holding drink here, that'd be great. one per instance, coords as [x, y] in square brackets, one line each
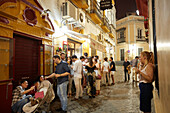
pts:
[146, 77]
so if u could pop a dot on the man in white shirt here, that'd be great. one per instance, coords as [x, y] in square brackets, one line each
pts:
[105, 70]
[78, 74]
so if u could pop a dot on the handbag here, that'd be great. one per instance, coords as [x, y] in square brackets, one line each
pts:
[98, 77]
[39, 94]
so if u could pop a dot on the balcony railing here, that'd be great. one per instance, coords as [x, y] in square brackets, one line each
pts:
[120, 40]
[106, 22]
[140, 38]
[111, 28]
[95, 8]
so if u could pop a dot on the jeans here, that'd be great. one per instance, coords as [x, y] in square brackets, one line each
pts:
[17, 107]
[70, 85]
[126, 72]
[62, 93]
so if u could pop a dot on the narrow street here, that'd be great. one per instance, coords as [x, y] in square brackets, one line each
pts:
[119, 98]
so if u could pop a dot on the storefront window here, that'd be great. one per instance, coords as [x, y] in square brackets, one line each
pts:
[74, 48]
[71, 49]
[78, 50]
[48, 59]
[70, 45]
[6, 59]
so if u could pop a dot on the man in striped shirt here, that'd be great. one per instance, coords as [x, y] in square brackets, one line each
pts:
[19, 96]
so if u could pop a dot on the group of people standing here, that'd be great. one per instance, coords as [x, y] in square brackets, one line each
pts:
[129, 69]
[87, 74]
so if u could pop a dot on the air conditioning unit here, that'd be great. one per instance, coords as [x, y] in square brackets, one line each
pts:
[69, 11]
[81, 17]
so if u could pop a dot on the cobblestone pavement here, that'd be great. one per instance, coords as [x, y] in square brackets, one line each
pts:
[119, 98]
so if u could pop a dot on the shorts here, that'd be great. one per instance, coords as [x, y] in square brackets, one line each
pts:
[112, 72]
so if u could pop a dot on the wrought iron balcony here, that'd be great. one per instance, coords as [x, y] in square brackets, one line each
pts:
[121, 40]
[95, 12]
[111, 33]
[106, 24]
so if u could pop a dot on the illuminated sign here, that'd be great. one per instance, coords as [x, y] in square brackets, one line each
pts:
[106, 4]
[65, 42]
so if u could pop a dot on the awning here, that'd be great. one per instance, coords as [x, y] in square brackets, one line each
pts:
[77, 34]
[142, 6]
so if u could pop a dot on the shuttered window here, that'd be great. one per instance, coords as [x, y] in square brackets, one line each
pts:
[27, 56]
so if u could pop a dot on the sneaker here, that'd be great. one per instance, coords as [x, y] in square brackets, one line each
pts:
[74, 99]
[63, 111]
[90, 97]
[59, 109]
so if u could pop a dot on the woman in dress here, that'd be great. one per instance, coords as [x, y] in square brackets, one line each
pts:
[91, 78]
[98, 76]
[146, 73]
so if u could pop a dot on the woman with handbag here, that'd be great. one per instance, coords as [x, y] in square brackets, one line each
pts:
[98, 77]
[91, 87]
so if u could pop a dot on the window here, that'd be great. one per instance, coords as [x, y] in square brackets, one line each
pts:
[139, 33]
[48, 59]
[122, 54]
[139, 51]
[121, 34]
[6, 59]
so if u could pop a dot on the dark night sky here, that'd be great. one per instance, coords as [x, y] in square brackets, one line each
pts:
[124, 6]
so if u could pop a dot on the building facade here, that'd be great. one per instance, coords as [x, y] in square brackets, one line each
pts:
[131, 39]
[83, 27]
[25, 45]
[32, 31]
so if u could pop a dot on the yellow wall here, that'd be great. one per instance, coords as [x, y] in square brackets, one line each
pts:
[13, 12]
[16, 22]
[86, 47]
[131, 23]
